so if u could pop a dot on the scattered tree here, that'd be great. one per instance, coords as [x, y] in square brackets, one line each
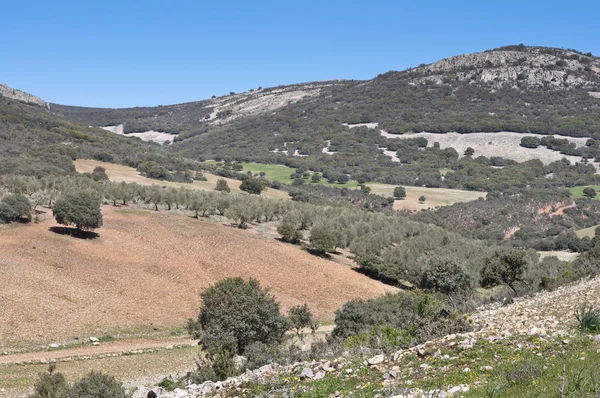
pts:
[300, 317]
[399, 192]
[81, 209]
[252, 185]
[589, 192]
[445, 276]
[99, 174]
[222, 186]
[422, 198]
[505, 266]
[469, 151]
[14, 208]
[239, 312]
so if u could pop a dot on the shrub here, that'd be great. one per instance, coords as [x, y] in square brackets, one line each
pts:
[399, 192]
[222, 186]
[445, 276]
[238, 311]
[259, 354]
[14, 208]
[413, 317]
[98, 385]
[422, 198]
[530, 142]
[588, 319]
[81, 209]
[50, 384]
[316, 177]
[153, 170]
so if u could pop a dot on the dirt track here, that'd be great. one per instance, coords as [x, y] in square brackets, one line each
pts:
[144, 273]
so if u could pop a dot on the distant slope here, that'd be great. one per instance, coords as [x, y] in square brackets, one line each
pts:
[34, 142]
[189, 117]
[145, 271]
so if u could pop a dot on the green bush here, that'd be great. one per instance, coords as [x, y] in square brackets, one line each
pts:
[97, 385]
[239, 313]
[50, 384]
[259, 354]
[404, 319]
[530, 142]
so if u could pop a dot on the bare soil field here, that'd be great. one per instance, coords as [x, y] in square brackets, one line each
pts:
[434, 197]
[144, 273]
[118, 173]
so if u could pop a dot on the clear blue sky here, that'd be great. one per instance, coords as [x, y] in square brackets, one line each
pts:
[127, 53]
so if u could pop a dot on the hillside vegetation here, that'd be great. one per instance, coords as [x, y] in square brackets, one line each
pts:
[519, 89]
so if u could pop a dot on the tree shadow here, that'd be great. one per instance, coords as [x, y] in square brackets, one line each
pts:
[318, 253]
[376, 276]
[74, 232]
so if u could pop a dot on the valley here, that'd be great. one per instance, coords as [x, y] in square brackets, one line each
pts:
[426, 232]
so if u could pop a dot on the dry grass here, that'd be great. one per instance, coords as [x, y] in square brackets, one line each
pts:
[434, 197]
[118, 173]
[561, 255]
[503, 144]
[136, 370]
[145, 272]
[590, 232]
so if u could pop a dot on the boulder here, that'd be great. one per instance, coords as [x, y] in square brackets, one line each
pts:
[376, 360]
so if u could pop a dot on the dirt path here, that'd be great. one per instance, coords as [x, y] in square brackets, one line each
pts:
[115, 347]
[96, 350]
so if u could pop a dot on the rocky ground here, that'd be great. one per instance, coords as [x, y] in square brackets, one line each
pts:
[541, 325]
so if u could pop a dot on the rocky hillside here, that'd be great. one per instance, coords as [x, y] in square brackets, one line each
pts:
[515, 350]
[520, 67]
[19, 95]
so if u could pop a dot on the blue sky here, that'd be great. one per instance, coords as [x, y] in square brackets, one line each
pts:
[138, 53]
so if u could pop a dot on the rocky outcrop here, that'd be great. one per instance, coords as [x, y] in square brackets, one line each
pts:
[533, 67]
[19, 95]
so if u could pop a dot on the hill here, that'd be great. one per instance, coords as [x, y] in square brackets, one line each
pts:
[329, 126]
[145, 272]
